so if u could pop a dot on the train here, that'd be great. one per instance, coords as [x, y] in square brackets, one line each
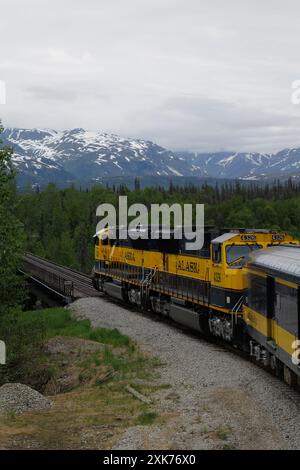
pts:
[241, 287]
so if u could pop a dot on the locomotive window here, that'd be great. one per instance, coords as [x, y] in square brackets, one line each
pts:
[286, 308]
[217, 252]
[236, 254]
[257, 294]
[96, 241]
[205, 250]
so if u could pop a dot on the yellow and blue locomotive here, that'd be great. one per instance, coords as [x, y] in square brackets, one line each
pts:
[230, 288]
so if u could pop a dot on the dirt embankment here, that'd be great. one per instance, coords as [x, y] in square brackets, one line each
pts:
[87, 406]
[197, 394]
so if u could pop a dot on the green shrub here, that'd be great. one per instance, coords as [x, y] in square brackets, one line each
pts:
[24, 337]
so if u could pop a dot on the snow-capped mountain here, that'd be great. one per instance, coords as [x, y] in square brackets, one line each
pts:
[77, 155]
[229, 164]
[41, 156]
[245, 165]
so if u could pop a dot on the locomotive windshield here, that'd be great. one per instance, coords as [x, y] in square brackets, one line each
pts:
[236, 254]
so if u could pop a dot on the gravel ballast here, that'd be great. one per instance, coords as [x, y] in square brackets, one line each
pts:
[217, 399]
[19, 398]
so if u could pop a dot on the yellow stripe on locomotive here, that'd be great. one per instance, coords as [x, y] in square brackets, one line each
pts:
[217, 267]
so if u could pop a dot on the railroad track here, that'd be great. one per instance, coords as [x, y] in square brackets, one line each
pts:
[37, 267]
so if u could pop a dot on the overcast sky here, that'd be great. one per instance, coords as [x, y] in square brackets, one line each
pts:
[201, 75]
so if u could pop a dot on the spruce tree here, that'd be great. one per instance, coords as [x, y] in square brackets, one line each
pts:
[11, 235]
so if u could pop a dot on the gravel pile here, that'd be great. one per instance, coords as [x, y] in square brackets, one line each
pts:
[20, 398]
[217, 399]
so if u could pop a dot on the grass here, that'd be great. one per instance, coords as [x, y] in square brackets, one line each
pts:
[87, 419]
[146, 419]
[59, 322]
[222, 433]
[96, 411]
[120, 352]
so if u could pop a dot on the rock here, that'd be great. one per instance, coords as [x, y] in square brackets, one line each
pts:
[19, 398]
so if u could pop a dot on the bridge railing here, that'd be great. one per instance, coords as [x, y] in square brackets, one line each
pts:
[50, 279]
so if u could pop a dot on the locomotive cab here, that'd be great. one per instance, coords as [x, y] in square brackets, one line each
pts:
[229, 254]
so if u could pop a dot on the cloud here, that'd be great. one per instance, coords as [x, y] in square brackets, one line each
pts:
[215, 125]
[61, 56]
[196, 75]
[48, 93]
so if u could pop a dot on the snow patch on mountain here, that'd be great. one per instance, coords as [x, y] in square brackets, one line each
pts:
[44, 155]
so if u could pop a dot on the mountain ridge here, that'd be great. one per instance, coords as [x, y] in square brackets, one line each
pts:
[77, 155]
